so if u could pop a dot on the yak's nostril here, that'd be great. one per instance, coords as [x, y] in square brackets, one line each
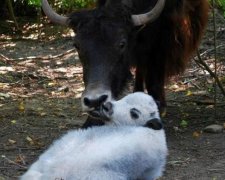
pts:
[87, 102]
[95, 102]
[103, 98]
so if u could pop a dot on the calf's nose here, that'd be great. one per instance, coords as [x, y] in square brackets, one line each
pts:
[108, 108]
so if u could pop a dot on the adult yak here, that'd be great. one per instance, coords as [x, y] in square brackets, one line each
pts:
[157, 37]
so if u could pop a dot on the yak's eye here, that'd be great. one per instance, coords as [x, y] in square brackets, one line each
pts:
[134, 113]
[122, 44]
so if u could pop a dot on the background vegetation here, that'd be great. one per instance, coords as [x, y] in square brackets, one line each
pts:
[31, 7]
[221, 5]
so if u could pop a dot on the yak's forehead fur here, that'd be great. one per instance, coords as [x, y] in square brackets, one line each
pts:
[101, 16]
[142, 102]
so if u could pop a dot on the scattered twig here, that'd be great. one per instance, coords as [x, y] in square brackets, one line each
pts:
[39, 57]
[22, 159]
[205, 102]
[215, 169]
[206, 67]
[212, 49]
[195, 85]
[4, 58]
[12, 162]
[198, 102]
[190, 80]
[176, 162]
[20, 148]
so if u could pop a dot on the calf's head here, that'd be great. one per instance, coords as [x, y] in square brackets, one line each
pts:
[137, 109]
[104, 39]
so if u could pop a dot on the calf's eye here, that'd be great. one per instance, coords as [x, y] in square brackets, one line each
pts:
[152, 114]
[134, 113]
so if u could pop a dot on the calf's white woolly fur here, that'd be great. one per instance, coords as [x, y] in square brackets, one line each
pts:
[110, 152]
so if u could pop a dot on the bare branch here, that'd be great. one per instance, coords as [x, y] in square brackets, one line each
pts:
[206, 67]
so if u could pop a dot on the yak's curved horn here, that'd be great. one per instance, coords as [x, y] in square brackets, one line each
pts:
[52, 15]
[150, 16]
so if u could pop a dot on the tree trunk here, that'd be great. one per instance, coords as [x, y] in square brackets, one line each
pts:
[11, 12]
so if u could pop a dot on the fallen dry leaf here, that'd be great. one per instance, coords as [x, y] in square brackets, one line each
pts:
[20, 159]
[163, 114]
[43, 114]
[196, 134]
[189, 93]
[13, 121]
[40, 109]
[51, 84]
[30, 140]
[21, 106]
[34, 142]
[11, 141]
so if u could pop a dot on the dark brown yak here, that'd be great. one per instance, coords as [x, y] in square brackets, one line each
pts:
[155, 36]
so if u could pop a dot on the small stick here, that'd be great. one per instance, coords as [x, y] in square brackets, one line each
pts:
[10, 161]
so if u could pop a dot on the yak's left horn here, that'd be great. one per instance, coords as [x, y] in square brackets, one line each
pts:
[52, 15]
[150, 16]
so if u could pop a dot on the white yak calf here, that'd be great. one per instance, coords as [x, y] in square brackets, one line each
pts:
[131, 146]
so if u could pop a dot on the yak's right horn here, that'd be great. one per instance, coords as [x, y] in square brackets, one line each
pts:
[141, 19]
[52, 15]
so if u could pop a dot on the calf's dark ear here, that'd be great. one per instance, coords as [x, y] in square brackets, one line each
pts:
[158, 104]
[155, 124]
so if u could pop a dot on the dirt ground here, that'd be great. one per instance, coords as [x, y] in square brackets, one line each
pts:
[40, 89]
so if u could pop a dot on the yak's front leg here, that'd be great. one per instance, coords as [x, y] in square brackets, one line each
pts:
[155, 82]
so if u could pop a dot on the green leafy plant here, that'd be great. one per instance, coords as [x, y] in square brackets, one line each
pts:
[220, 4]
[67, 4]
[77, 3]
[184, 123]
[36, 3]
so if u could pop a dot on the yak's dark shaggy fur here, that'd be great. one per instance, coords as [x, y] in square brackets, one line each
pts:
[109, 44]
